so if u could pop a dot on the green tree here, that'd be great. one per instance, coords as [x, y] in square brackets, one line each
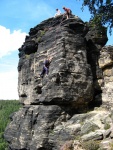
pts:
[101, 11]
[7, 107]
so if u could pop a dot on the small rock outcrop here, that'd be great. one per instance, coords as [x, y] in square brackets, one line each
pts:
[55, 108]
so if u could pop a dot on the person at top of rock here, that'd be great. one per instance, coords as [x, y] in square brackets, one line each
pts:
[45, 69]
[68, 12]
[58, 12]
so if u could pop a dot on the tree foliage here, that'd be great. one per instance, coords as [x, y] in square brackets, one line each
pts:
[101, 11]
[6, 108]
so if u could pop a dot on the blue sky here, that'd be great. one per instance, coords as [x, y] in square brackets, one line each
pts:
[16, 19]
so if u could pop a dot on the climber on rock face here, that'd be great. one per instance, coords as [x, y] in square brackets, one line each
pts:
[45, 69]
[68, 12]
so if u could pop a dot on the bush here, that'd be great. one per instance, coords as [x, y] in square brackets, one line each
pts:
[3, 146]
[90, 145]
[106, 126]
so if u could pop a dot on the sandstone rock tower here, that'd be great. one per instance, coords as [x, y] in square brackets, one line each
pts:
[69, 71]
[50, 103]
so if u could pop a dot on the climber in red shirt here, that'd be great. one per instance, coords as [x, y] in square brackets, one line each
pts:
[68, 12]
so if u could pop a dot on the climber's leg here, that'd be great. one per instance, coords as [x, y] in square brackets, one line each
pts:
[46, 70]
[43, 72]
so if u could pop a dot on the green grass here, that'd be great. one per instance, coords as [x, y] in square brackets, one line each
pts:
[6, 108]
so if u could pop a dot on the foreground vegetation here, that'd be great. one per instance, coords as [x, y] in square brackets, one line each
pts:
[6, 108]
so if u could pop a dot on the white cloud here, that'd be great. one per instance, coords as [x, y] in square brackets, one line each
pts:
[10, 42]
[8, 85]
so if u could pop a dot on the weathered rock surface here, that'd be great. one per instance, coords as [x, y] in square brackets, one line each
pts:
[69, 71]
[55, 109]
[106, 63]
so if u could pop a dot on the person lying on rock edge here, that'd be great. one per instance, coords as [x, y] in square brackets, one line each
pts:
[46, 65]
[68, 12]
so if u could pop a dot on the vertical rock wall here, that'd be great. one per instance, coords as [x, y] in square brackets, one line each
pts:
[70, 78]
[106, 64]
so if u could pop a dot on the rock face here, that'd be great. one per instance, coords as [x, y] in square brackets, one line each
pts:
[79, 77]
[69, 71]
[106, 64]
